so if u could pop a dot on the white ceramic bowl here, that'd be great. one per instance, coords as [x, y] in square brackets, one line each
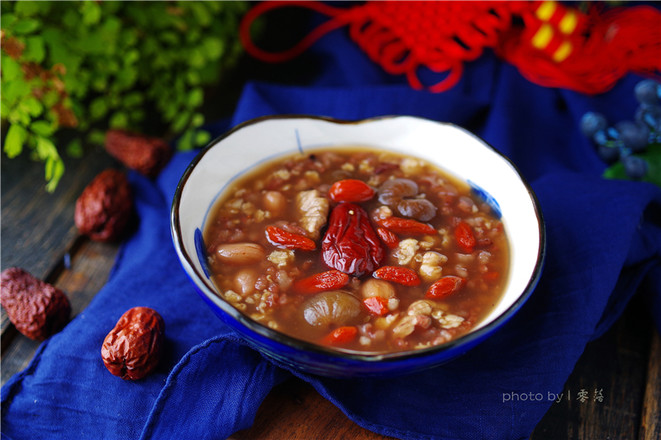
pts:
[450, 147]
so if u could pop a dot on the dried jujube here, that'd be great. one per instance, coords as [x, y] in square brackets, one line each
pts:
[351, 244]
[104, 208]
[37, 309]
[146, 155]
[133, 347]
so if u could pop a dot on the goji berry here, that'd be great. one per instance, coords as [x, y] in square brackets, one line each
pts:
[444, 287]
[406, 226]
[376, 305]
[399, 275]
[350, 190]
[388, 237]
[281, 238]
[463, 233]
[340, 336]
[329, 280]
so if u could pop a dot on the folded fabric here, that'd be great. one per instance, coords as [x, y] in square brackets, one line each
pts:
[604, 242]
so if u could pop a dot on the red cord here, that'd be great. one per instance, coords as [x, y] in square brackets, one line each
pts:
[340, 17]
[403, 36]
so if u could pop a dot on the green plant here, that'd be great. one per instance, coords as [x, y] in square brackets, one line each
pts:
[94, 65]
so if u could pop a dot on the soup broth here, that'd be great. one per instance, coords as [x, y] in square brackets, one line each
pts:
[357, 249]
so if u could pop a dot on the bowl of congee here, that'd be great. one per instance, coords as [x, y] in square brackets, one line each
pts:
[358, 248]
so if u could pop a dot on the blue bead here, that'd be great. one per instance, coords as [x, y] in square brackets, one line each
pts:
[633, 135]
[600, 137]
[635, 167]
[647, 91]
[608, 154]
[592, 122]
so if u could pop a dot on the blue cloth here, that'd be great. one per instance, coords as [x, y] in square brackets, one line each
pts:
[604, 244]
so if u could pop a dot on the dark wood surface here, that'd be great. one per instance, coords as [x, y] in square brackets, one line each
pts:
[38, 233]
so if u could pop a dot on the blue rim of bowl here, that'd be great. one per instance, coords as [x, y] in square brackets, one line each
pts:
[299, 344]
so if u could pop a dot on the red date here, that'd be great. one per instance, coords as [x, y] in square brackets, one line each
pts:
[103, 210]
[146, 155]
[350, 244]
[37, 309]
[133, 348]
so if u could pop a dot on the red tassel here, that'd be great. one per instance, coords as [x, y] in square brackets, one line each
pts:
[613, 44]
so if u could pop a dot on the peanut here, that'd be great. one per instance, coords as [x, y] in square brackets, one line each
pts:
[240, 253]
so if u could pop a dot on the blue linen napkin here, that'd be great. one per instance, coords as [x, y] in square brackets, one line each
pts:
[604, 244]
